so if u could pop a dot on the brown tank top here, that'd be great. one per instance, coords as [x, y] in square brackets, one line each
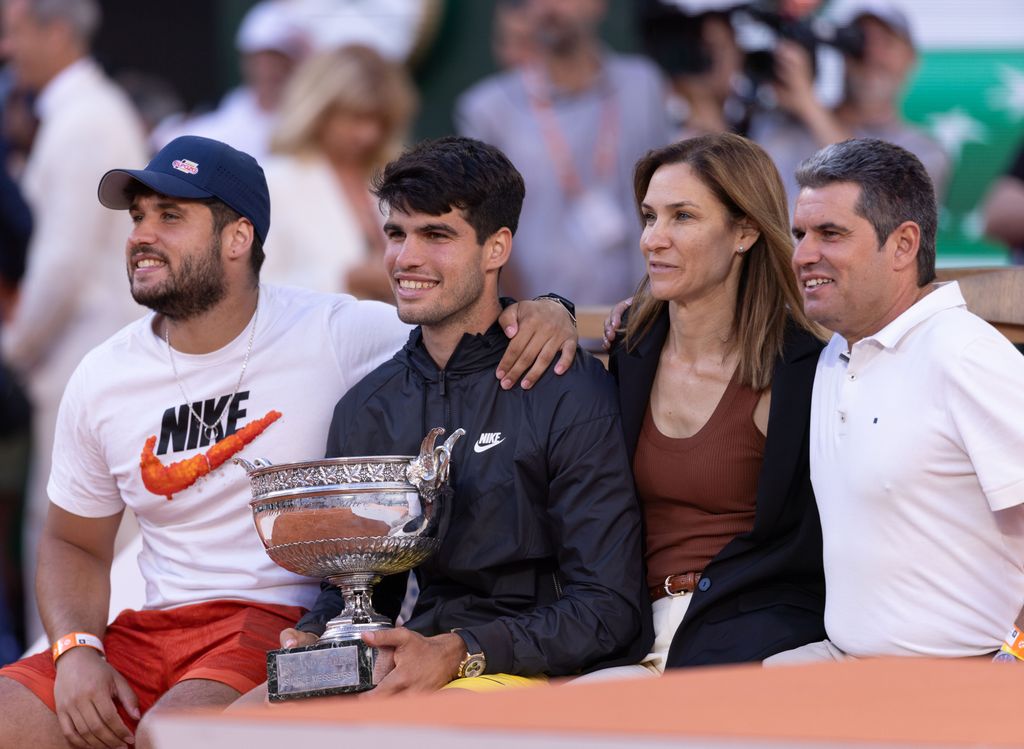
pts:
[698, 492]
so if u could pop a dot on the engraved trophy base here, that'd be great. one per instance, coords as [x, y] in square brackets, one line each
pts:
[320, 670]
[339, 662]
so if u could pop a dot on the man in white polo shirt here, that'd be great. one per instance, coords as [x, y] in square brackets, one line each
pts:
[917, 426]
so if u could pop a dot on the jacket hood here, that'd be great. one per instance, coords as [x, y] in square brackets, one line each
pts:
[474, 352]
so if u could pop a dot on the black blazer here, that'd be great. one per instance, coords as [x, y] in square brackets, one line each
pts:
[765, 591]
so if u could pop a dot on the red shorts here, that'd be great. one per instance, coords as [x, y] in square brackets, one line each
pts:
[223, 641]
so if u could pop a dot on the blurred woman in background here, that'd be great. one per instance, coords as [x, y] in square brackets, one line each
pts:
[345, 113]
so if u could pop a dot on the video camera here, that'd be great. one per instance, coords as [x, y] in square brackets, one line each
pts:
[673, 36]
[809, 32]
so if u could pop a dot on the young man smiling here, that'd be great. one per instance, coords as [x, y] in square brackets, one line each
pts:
[540, 568]
[917, 423]
[143, 424]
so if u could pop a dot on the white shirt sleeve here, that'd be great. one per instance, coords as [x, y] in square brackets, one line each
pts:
[985, 396]
[364, 335]
[80, 478]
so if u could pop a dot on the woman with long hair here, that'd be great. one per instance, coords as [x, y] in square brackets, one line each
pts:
[345, 113]
[714, 374]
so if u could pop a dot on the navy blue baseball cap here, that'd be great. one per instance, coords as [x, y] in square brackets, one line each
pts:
[195, 168]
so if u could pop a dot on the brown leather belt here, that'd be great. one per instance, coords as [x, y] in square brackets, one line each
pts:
[675, 585]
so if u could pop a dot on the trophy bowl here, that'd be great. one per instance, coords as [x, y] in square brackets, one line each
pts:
[351, 521]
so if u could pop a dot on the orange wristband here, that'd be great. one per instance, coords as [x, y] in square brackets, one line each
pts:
[76, 640]
[1014, 644]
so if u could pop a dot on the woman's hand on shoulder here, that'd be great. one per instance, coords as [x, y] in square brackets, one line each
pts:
[613, 322]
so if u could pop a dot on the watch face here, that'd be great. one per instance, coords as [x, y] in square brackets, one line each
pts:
[474, 665]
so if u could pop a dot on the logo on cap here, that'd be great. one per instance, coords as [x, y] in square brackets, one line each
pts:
[184, 165]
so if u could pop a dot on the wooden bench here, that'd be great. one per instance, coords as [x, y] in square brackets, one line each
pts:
[996, 294]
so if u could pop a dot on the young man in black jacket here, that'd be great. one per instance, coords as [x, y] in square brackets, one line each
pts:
[540, 569]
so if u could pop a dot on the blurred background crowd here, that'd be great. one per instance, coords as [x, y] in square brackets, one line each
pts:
[323, 92]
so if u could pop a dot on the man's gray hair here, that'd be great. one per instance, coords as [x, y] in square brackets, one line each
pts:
[894, 187]
[83, 16]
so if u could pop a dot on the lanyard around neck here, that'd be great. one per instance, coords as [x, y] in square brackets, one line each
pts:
[538, 93]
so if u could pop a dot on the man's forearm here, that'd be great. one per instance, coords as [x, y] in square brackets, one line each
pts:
[72, 587]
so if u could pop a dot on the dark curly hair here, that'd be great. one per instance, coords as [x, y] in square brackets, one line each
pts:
[440, 175]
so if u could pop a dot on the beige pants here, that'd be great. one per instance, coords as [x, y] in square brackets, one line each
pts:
[668, 615]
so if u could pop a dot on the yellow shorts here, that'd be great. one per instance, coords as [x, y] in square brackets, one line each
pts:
[496, 682]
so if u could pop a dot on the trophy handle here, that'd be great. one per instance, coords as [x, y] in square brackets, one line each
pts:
[246, 465]
[427, 445]
[443, 456]
[255, 465]
[428, 470]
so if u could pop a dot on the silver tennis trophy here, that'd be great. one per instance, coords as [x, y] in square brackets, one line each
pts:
[351, 521]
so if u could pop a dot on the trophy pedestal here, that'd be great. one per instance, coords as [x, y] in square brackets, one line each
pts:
[320, 670]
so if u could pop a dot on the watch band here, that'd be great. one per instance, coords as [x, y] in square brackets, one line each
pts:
[475, 662]
[566, 304]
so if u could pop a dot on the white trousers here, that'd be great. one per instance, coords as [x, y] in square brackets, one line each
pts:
[668, 615]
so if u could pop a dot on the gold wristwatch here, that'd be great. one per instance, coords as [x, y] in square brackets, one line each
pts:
[475, 662]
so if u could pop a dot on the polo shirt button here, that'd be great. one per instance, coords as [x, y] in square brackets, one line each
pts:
[704, 584]
[852, 377]
[842, 417]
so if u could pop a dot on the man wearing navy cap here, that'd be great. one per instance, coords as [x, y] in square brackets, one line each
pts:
[149, 421]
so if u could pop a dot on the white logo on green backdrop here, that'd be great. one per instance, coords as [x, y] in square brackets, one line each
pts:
[972, 102]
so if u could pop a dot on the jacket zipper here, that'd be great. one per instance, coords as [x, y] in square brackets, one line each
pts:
[447, 405]
[558, 585]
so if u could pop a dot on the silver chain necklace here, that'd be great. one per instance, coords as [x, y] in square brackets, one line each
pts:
[211, 429]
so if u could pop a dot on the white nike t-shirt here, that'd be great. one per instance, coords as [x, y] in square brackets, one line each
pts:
[308, 350]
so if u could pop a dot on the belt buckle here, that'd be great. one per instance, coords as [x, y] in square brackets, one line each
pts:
[668, 591]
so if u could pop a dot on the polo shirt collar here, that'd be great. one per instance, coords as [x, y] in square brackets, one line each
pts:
[945, 296]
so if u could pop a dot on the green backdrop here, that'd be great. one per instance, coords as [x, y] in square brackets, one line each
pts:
[972, 101]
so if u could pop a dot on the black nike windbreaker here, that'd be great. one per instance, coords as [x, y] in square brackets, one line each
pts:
[541, 560]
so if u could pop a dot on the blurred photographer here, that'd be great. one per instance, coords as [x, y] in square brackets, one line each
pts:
[870, 106]
[694, 43]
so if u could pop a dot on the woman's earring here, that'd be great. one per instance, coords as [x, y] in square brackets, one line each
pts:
[740, 249]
